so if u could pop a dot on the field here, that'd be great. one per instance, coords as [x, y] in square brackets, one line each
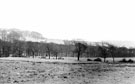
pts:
[36, 71]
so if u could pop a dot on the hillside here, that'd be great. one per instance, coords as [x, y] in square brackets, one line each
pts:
[11, 34]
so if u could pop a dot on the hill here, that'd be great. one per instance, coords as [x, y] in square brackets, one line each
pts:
[11, 34]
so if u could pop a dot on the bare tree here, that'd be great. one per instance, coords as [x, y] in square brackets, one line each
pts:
[80, 48]
[104, 52]
[49, 48]
[68, 47]
[112, 50]
[3, 34]
[13, 35]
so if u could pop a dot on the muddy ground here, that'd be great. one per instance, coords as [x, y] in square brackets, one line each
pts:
[28, 72]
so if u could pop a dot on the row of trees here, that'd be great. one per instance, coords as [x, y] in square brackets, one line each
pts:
[69, 48]
[18, 48]
[103, 50]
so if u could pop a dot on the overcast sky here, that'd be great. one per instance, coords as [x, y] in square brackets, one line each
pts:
[91, 20]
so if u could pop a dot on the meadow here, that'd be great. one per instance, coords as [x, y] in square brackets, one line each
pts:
[45, 71]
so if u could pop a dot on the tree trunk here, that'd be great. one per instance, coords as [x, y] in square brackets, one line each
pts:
[78, 57]
[104, 59]
[33, 54]
[49, 55]
[56, 56]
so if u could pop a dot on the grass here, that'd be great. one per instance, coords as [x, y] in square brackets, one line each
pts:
[39, 72]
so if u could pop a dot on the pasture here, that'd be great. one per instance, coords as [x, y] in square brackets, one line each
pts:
[67, 71]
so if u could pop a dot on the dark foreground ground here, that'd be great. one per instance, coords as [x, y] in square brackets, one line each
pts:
[28, 72]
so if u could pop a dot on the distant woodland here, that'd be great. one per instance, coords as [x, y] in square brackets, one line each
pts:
[12, 45]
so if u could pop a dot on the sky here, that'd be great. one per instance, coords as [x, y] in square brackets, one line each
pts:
[90, 20]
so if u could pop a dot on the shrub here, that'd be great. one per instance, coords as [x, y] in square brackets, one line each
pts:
[126, 61]
[98, 59]
[43, 57]
[89, 60]
[130, 61]
[123, 60]
[60, 58]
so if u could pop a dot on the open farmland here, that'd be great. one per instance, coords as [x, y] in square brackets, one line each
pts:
[43, 72]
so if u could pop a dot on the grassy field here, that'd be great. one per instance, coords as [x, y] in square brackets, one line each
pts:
[24, 71]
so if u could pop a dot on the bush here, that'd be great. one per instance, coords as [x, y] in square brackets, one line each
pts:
[130, 61]
[60, 58]
[43, 57]
[89, 60]
[123, 60]
[98, 59]
[126, 61]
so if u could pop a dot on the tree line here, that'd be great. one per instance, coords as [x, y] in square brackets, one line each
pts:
[17, 48]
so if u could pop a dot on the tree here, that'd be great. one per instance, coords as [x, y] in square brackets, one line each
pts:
[92, 51]
[5, 49]
[112, 51]
[13, 35]
[80, 48]
[49, 49]
[104, 52]
[42, 49]
[123, 52]
[31, 49]
[56, 50]
[68, 47]
[18, 48]
[3, 34]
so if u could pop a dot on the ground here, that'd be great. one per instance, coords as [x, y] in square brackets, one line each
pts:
[36, 72]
